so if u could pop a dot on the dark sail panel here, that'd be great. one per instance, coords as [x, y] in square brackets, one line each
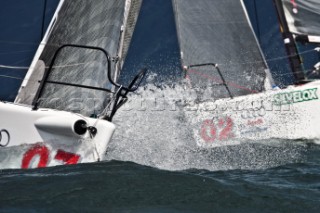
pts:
[90, 22]
[303, 17]
[218, 31]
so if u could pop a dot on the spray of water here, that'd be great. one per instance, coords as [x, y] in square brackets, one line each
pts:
[152, 130]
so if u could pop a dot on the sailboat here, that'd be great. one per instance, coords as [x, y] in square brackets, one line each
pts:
[63, 112]
[242, 102]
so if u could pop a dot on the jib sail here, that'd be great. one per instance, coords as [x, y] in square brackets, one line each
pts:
[98, 23]
[218, 34]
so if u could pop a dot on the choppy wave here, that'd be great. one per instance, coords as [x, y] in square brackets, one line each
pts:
[127, 187]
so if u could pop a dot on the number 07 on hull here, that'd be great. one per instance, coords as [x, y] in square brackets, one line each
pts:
[42, 138]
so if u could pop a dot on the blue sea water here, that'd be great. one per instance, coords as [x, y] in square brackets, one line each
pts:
[118, 186]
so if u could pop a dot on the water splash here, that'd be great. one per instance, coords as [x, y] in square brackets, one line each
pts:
[152, 130]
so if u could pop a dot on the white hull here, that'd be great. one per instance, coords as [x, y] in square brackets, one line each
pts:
[41, 138]
[44, 137]
[292, 113]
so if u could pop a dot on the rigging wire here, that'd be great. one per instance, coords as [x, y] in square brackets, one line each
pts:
[19, 68]
[13, 67]
[12, 77]
[60, 66]
[79, 64]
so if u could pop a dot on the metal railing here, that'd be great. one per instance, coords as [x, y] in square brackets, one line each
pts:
[224, 83]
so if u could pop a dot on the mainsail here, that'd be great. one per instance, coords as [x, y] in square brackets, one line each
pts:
[303, 18]
[218, 32]
[99, 23]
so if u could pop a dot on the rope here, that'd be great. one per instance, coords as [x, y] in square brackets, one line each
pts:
[60, 66]
[13, 67]
[11, 77]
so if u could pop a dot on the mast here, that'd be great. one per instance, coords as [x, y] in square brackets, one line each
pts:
[290, 44]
